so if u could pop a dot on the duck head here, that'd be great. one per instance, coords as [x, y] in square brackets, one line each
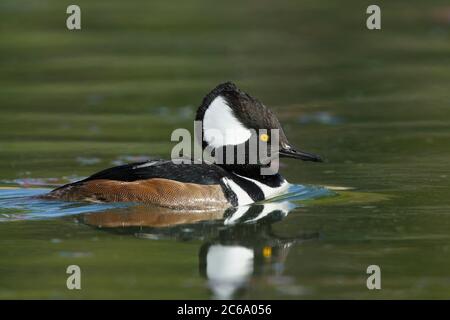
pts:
[232, 118]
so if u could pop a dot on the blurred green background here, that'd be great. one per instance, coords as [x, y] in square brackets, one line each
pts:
[375, 104]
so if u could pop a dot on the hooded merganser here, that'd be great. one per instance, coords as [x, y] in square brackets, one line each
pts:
[191, 186]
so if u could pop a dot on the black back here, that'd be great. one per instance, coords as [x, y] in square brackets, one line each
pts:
[207, 174]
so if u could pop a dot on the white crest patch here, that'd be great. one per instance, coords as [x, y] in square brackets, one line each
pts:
[221, 127]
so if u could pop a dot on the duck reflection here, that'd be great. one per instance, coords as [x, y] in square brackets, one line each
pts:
[238, 243]
[231, 259]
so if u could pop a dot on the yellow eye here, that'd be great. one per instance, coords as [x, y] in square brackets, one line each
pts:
[264, 137]
[267, 252]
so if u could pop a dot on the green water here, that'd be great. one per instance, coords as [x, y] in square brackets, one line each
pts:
[375, 104]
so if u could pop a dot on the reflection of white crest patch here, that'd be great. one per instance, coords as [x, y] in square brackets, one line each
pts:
[228, 268]
[221, 127]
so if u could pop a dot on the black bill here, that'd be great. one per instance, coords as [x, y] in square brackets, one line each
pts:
[298, 154]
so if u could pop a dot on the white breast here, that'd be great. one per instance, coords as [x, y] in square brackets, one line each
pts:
[241, 195]
[269, 192]
[244, 198]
